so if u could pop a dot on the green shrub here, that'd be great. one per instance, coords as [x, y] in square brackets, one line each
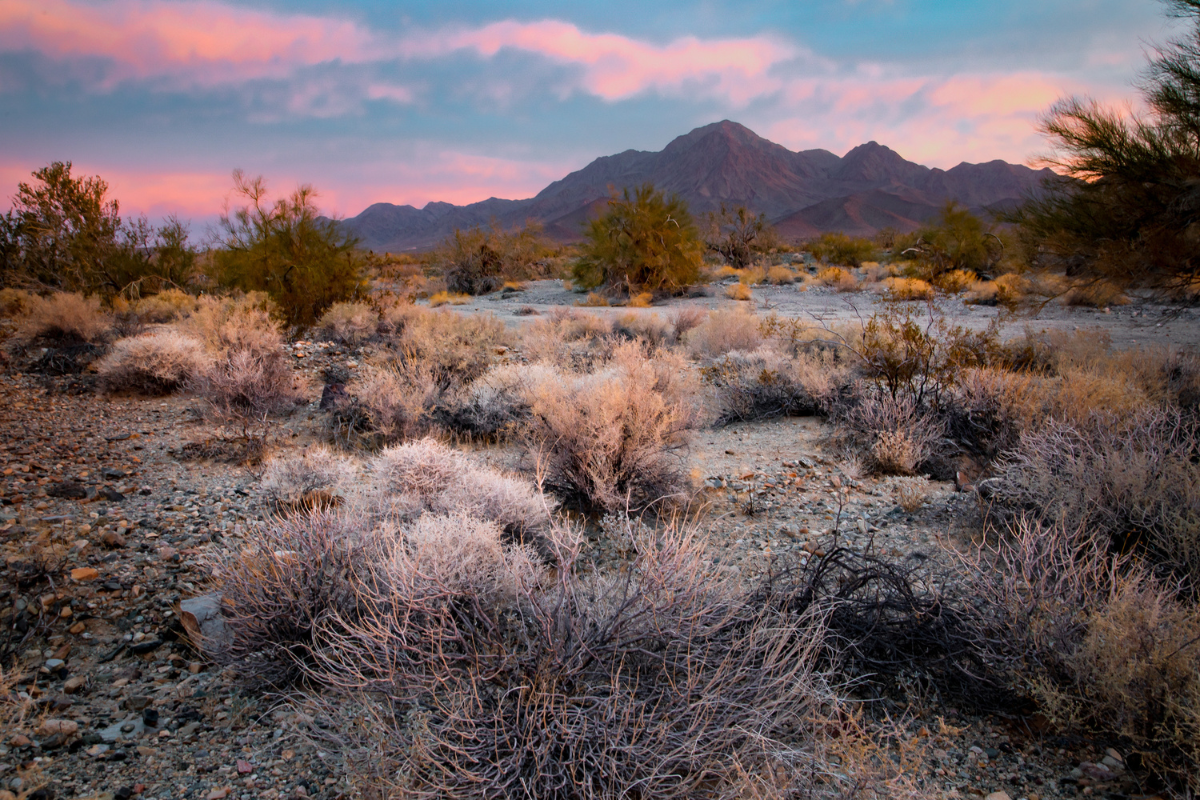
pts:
[838, 248]
[642, 242]
[304, 262]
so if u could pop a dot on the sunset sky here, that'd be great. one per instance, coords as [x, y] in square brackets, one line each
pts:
[459, 100]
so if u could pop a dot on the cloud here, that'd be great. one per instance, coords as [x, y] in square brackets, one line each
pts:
[617, 67]
[208, 43]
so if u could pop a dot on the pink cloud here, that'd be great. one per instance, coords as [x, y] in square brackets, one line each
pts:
[616, 67]
[210, 42]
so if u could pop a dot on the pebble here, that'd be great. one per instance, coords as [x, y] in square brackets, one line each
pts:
[83, 574]
[57, 727]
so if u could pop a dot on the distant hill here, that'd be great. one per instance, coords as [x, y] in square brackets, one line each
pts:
[803, 194]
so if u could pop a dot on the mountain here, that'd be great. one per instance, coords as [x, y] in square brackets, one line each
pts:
[802, 193]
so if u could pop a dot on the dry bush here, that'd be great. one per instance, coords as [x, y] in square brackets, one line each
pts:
[837, 278]
[1095, 294]
[15, 302]
[451, 298]
[153, 363]
[725, 330]
[569, 338]
[781, 275]
[166, 306]
[613, 439]
[650, 329]
[685, 320]
[906, 289]
[767, 383]
[391, 402]
[457, 348]
[249, 374]
[498, 402]
[739, 291]
[911, 493]
[1096, 641]
[752, 276]
[990, 408]
[643, 300]
[956, 281]
[593, 300]
[874, 272]
[894, 434]
[350, 324]
[1132, 483]
[650, 685]
[66, 317]
[291, 481]
[427, 476]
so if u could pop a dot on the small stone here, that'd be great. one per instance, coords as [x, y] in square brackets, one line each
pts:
[53, 663]
[20, 741]
[244, 767]
[58, 727]
[66, 612]
[77, 628]
[998, 796]
[194, 667]
[97, 750]
[73, 685]
[83, 574]
[150, 717]
[217, 794]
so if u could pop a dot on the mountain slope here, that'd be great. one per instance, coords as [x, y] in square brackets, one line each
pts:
[803, 193]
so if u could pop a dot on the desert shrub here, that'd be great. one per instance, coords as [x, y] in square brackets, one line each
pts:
[426, 476]
[448, 298]
[478, 261]
[723, 331]
[837, 278]
[1132, 483]
[154, 363]
[685, 320]
[642, 242]
[15, 302]
[956, 240]
[766, 383]
[1096, 642]
[305, 262]
[902, 353]
[643, 300]
[397, 400]
[1095, 294]
[894, 434]
[647, 685]
[911, 493]
[752, 276]
[348, 323]
[648, 328]
[990, 408]
[613, 439]
[735, 234]
[874, 272]
[956, 281]
[568, 338]
[906, 289]
[781, 275]
[840, 249]
[456, 347]
[66, 317]
[739, 291]
[166, 306]
[294, 481]
[498, 402]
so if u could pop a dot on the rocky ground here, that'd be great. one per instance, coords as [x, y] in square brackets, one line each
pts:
[113, 510]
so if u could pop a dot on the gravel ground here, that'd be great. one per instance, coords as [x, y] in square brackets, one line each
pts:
[105, 527]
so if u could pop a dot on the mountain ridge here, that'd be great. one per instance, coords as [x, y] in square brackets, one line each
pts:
[803, 193]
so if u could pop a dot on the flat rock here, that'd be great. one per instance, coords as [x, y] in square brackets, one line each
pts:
[83, 574]
[57, 727]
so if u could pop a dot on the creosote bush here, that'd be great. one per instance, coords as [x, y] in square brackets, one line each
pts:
[153, 363]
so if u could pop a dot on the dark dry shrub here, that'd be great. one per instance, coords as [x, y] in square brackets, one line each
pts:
[478, 261]
[498, 403]
[66, 317]
[391, 402]
[1095, 640]
[989, 409]
[291, 481]
[249, 383]
[154, 363]
[293, 572]
[767, 383]
[895, 436]
[1133, 483]
[614, 439]
[576, 686]
[569, 339]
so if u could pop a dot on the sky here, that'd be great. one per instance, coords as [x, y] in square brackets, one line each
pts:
[461, 100]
